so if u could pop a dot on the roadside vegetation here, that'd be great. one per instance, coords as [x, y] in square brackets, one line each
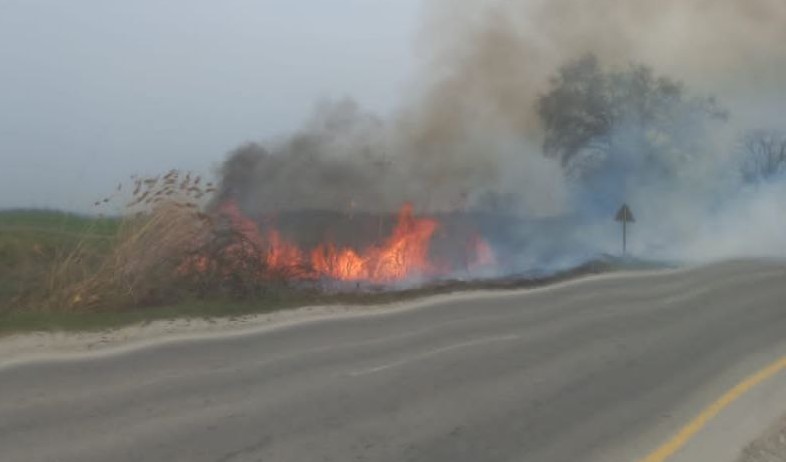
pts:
[56, 262]
[34, 242]
[61, 271]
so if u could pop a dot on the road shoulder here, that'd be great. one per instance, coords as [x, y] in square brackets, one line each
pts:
[16, 348]
[770, 447]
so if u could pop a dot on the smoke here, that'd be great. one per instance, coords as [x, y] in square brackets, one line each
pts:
[346, 160]
[501, 53]
[470, 136]
[336, 162]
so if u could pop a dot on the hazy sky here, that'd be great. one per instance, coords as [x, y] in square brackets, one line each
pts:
[92, 91]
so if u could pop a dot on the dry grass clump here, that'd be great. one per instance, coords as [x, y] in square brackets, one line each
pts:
[139, 269]
[165, 249]
[162, 225]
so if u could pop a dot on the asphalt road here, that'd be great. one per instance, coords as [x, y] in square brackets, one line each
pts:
[598, 369]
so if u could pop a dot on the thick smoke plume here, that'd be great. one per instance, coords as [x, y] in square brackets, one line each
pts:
[551, 113]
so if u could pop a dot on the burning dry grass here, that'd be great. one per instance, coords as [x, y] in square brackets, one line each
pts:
[167, 259]
[166, 249]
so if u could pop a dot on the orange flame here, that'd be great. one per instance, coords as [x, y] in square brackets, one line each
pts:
[403, 255]
[483, 255]
[281, 254]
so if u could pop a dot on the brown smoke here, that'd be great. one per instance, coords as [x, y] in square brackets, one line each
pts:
[492, 58]
[468, 136]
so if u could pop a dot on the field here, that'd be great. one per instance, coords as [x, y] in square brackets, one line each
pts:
[33, 241]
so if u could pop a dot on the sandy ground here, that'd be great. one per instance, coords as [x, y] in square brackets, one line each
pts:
[769, 448]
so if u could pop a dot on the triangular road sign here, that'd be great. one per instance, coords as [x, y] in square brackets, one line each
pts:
[625, 215]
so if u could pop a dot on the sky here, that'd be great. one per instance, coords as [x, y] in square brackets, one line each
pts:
[93, 91]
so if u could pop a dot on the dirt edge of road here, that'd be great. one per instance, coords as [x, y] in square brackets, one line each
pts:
[771, 447]
[23, 347]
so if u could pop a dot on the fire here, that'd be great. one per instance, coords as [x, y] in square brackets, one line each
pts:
[281, 254]
[340, 264]
[404, 255]
[276, 255]
[483, 254]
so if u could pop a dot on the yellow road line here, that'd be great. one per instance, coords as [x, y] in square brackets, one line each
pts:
[679, 440]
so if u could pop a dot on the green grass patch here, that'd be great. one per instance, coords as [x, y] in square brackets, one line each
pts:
[33, 241]
[55, 222]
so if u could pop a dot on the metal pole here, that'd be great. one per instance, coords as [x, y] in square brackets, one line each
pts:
[624, 237]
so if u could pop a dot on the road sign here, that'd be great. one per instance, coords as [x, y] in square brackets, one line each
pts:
[625, 216]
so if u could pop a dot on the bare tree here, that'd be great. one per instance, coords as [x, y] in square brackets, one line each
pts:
[764, 155]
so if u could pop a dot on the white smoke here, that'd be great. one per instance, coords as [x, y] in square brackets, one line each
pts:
[469, 137]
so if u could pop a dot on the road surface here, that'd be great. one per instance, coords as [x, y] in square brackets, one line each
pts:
[605, 369]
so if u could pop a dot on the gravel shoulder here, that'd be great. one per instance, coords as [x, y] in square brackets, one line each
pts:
[28, 346]
[771, 447]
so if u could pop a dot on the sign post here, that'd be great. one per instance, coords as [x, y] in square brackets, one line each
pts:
[625, 216]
